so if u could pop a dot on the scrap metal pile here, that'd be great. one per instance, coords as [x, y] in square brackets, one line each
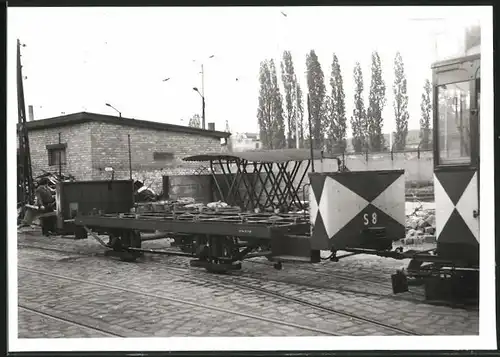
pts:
[186, 204]
[52, 179]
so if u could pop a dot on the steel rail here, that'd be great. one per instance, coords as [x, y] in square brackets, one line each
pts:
[67, 321]
[177, 300]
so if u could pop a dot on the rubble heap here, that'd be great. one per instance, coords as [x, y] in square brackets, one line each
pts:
[420, 226]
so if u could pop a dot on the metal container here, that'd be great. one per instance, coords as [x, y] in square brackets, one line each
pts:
[198, 187]
[85, 197]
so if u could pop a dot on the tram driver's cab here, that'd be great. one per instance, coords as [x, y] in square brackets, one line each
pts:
[456, 98]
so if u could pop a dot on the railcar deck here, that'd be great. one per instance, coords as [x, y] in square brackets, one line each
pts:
[248, 225]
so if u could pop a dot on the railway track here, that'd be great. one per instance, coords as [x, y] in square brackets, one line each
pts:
[253, 284]
[413, 297]
[378, 284]
[264, 277]
[67, 321]
[177, 300]
[300, 301]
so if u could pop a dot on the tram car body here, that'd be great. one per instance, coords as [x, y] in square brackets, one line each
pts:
[451, 271]
[456, 85]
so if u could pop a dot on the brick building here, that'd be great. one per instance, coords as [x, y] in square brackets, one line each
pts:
[88, 143]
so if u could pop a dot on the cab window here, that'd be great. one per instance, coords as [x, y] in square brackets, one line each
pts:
[454, 135]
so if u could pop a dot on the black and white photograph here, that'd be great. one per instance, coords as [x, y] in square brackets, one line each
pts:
[250, 178]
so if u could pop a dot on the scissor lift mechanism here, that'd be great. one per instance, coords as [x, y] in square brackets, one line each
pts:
[277, 190]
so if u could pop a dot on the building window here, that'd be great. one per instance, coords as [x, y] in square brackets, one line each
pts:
[56, 154]
[163, 156]
[454, 123]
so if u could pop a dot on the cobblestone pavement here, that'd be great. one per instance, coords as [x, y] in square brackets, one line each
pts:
[158, 301]
[39, 325]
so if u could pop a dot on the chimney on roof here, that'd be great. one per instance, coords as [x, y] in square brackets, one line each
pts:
[211, 126]
[31, 115]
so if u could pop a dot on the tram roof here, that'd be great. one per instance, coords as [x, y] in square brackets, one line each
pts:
[456, 60]
[268, 156]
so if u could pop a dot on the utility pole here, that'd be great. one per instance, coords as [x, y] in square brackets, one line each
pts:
[297, 140]
[202, 94]
[202, 97]
[310, 131]
[202, 107]
[25, 176]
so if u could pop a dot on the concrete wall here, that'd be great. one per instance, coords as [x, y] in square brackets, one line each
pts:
[78, 150]
[110, 149]
[417, 170]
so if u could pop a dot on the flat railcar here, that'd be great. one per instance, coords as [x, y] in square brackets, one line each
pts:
[269, 212]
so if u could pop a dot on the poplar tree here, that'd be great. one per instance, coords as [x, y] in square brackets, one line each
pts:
[376, 103]
[316, 86]
[400, 103]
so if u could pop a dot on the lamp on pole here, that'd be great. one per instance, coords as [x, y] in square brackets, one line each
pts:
[109, 105]
[202, 107]
[203, 90]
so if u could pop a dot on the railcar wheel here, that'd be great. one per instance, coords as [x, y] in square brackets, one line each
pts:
[80, 232]
[119, 242]
[218, 254]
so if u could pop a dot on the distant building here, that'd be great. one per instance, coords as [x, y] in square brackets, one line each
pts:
[245, 141]
[85, 144]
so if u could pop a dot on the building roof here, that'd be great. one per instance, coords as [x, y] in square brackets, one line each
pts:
[84, 117]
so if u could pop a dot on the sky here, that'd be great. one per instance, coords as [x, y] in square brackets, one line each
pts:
[78, 59]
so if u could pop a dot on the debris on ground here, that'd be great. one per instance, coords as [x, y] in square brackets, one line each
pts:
[420, 225]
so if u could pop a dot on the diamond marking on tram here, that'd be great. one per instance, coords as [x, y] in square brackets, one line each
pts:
[368, 184]
[336, 216]
[454, 183]
[313, 206]
[444, 206]
[392, 200]
[467, 204]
